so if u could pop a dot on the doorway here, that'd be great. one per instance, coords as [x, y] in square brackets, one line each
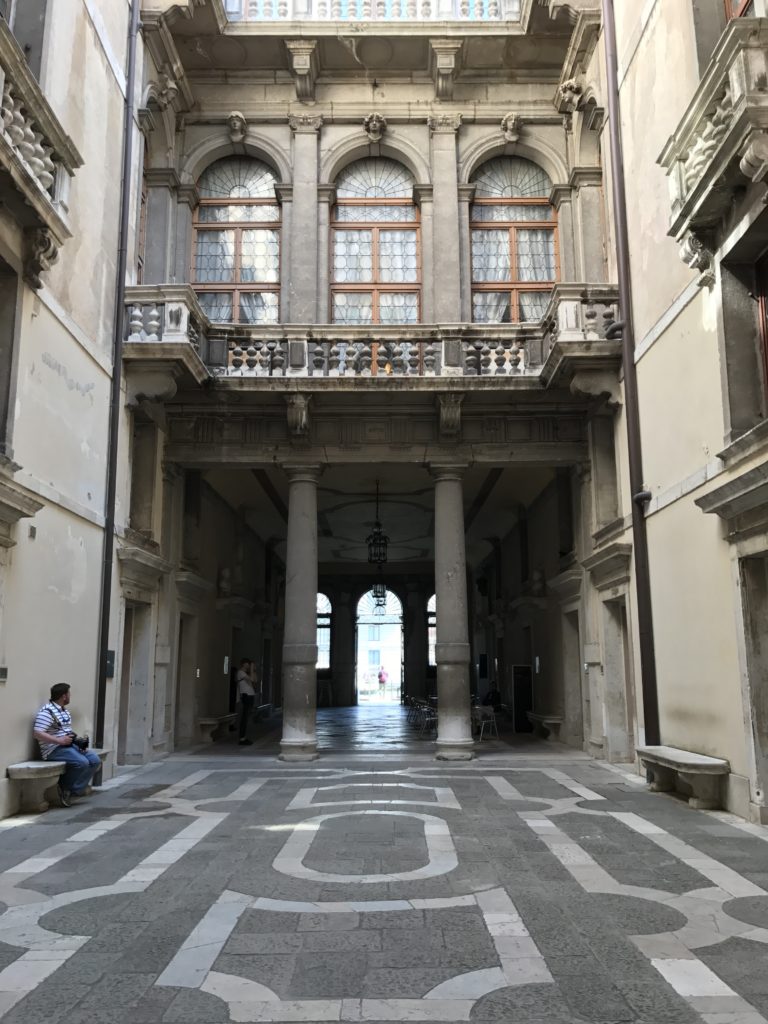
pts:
[379, 649]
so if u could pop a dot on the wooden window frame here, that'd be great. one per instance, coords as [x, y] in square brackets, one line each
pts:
[514, 285]
[738, 8]
[375, 287]
[235, 287]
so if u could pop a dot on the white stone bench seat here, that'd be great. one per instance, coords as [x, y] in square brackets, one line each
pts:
[207, 725]
[33, 779]
[546, 726]
[700, 773]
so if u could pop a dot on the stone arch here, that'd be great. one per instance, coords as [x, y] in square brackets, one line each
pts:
[354, 148]
[541, 154]
[219, 145]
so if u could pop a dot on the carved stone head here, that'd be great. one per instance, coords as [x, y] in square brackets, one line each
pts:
[374, 125]
[510, 127]
[237, 125]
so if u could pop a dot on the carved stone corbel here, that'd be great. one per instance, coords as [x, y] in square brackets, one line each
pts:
[695, 254]
[41, 252]
[298, 414]
[306, 123]
[571, 93]
[151, 384]
[754, 157]
[449, 408]
[374, 126]
[237, 126]
[511, 126]
[445, 62]
[304, 66]
[597, 384]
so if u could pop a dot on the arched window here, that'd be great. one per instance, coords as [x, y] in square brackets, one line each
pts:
[324, 611]
[514, 242]
[376, 276]
[431, 629]
[236, 269]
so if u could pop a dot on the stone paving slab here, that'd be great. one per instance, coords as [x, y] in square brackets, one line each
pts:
[529, 888]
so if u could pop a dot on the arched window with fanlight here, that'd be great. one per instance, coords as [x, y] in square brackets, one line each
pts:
[375, 243]
[514, 242]
[236, 263]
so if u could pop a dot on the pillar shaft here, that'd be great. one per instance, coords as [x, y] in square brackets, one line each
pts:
[299, 742]
[454, 729]
[302, 281]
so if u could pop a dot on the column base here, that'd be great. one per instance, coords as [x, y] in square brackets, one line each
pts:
[297, 752]
[457, 751]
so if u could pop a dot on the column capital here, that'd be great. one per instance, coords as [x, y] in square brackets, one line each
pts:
[448, 470]
[326, 193]
[284, 193]
[466, 193]
[445, 124]
[305, 124]
[298, 472]
[423, 194]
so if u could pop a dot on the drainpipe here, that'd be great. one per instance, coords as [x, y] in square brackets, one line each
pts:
[640, 495]
[117, 374]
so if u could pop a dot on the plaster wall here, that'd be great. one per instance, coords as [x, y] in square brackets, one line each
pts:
[695, 622]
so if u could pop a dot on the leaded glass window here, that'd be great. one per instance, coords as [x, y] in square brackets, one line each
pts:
[514, 242]
[236, 261]
[376, 245]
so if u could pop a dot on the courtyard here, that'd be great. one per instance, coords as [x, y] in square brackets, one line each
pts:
[532, 884]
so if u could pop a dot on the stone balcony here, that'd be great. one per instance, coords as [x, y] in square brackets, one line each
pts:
[168, 336]
[37, 159]
[721, 142]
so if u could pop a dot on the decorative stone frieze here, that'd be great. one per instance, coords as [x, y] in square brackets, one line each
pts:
[445, 61]
[305, 123]
[720, 140]
[304, 66]
[444, 123]
[511, 126]
[374, 126]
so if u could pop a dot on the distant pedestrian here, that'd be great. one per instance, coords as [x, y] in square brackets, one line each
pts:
[383, 676]
[247, 695]
[59, 742]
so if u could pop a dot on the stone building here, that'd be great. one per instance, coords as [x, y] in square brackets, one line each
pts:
[371, 281]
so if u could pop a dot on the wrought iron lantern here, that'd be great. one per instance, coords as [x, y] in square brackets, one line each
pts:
[377, 541]
[379, 591]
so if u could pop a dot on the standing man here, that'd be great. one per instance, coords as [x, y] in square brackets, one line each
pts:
[247, 699]
[53, 731]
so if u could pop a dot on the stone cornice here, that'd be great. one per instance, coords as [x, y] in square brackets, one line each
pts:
[16, 503]
[609, 567]
[141, 568]
[590, 176]
[162, 177]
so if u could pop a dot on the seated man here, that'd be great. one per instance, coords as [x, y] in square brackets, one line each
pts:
[53, 731]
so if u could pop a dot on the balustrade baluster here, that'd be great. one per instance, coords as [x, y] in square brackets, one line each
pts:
[322, 9]
[278, 360]
[397, 10]
[352, 359]
[426, 10]
[235, 355]
[493, 9]
[398, 360]
[336, 9]
[318, 359]
[251, 357]
[136, 324]
[472, 358]
[381, 9]
[366, 359]
[464, 8]
[479, 10]
[514, 357]
[282, 9]
[263, 357]
[334, 359]
[411, 8]
[500, 358]
[485, 359]
[382, 358]
[153, 324]
[413, 358]
[48, 173]
[430, 357]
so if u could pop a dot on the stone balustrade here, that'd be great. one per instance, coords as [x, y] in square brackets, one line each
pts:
[574, 328]
[37, 158]
[721, 142]
[373, 10]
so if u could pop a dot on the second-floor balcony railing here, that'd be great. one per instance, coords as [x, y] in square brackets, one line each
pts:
[373, 10]
[573, 331]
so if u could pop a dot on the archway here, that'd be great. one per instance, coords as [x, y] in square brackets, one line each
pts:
[379, 650]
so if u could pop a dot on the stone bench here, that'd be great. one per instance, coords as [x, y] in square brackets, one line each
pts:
[702, 775]
[546, 726]
[207, 726]
[33, 779]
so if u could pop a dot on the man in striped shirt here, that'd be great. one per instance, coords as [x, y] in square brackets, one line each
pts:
[53, 731]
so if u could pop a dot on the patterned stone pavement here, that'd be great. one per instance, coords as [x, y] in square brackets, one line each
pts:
[526, 886]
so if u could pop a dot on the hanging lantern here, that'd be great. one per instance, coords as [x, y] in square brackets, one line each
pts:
[377, 541]
[379, 591]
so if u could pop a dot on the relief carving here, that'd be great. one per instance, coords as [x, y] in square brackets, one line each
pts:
[374, 126]
[237, 126]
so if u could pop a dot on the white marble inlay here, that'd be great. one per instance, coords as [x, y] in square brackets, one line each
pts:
[307, 797]
[692, 978]
[440, 850]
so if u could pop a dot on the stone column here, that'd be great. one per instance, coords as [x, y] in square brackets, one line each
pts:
[423, 195]
[454, 730]
[187, 199]
[587, 183]
[326, 197]
[561, 198]
[284, 195]
[446, 265]
[162, 184]
[466, 195]
[299, 741]
[343, 649]
[302, 273]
